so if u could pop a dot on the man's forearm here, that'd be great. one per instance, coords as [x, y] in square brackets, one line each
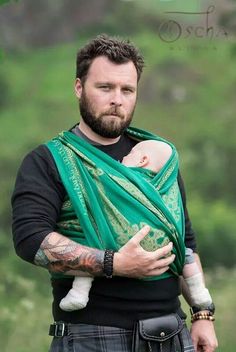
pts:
[59, 254]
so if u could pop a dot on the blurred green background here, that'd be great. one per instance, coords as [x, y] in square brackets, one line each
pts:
[187, 94]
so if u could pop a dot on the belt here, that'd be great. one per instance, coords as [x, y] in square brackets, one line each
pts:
[58, 329]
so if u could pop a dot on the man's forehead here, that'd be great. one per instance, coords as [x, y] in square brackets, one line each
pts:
[103, 68]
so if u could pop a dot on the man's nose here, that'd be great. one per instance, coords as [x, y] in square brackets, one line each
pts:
[116, 98]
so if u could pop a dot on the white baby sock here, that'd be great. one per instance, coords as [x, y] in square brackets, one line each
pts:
[199, 294]
[78, 296]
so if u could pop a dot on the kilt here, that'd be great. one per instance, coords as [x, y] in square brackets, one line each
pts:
[93, 338]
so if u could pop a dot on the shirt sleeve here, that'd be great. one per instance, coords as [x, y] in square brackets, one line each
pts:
[36, 202]
[190, 240]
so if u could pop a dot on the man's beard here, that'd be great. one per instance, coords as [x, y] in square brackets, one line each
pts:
[102, 125]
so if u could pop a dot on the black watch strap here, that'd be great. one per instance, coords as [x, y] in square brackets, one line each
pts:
[196, 309]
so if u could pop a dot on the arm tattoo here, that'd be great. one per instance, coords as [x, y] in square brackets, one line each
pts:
[61, 255]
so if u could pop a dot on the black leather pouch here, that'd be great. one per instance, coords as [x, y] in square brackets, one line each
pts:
[161, 334]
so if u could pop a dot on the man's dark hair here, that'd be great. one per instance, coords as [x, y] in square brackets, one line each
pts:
[115, 49]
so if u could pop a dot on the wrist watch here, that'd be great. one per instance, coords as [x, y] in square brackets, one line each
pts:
[196, 309]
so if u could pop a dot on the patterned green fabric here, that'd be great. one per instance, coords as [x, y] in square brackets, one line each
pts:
[108, 202]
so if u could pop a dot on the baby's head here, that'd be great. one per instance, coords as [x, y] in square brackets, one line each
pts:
[149, 154]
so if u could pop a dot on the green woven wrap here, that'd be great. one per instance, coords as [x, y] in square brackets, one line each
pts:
[108, 203]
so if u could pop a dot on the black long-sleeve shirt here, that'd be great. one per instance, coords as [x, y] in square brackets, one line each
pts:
[37, 201]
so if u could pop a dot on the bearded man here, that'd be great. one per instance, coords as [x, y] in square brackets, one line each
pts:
[78, 211]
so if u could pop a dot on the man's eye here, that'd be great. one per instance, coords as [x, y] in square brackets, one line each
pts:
[128, 90]
[104, 87]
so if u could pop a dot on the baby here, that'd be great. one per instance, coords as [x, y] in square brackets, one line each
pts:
[153, 155]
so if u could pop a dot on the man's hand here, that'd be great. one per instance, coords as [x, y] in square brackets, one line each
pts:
[133, 261]
[203, 336]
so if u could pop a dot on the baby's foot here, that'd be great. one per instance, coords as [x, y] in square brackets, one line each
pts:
[73, 301]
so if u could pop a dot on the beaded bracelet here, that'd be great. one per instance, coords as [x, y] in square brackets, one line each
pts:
[202, 316]
[108, 263]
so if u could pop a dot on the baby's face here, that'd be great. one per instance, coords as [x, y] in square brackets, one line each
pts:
[133, 158]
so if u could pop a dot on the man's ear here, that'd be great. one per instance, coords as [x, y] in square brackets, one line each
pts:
[143, 161]
[78, 87]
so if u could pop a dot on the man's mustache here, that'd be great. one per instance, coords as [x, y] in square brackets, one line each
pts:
[114, 111]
